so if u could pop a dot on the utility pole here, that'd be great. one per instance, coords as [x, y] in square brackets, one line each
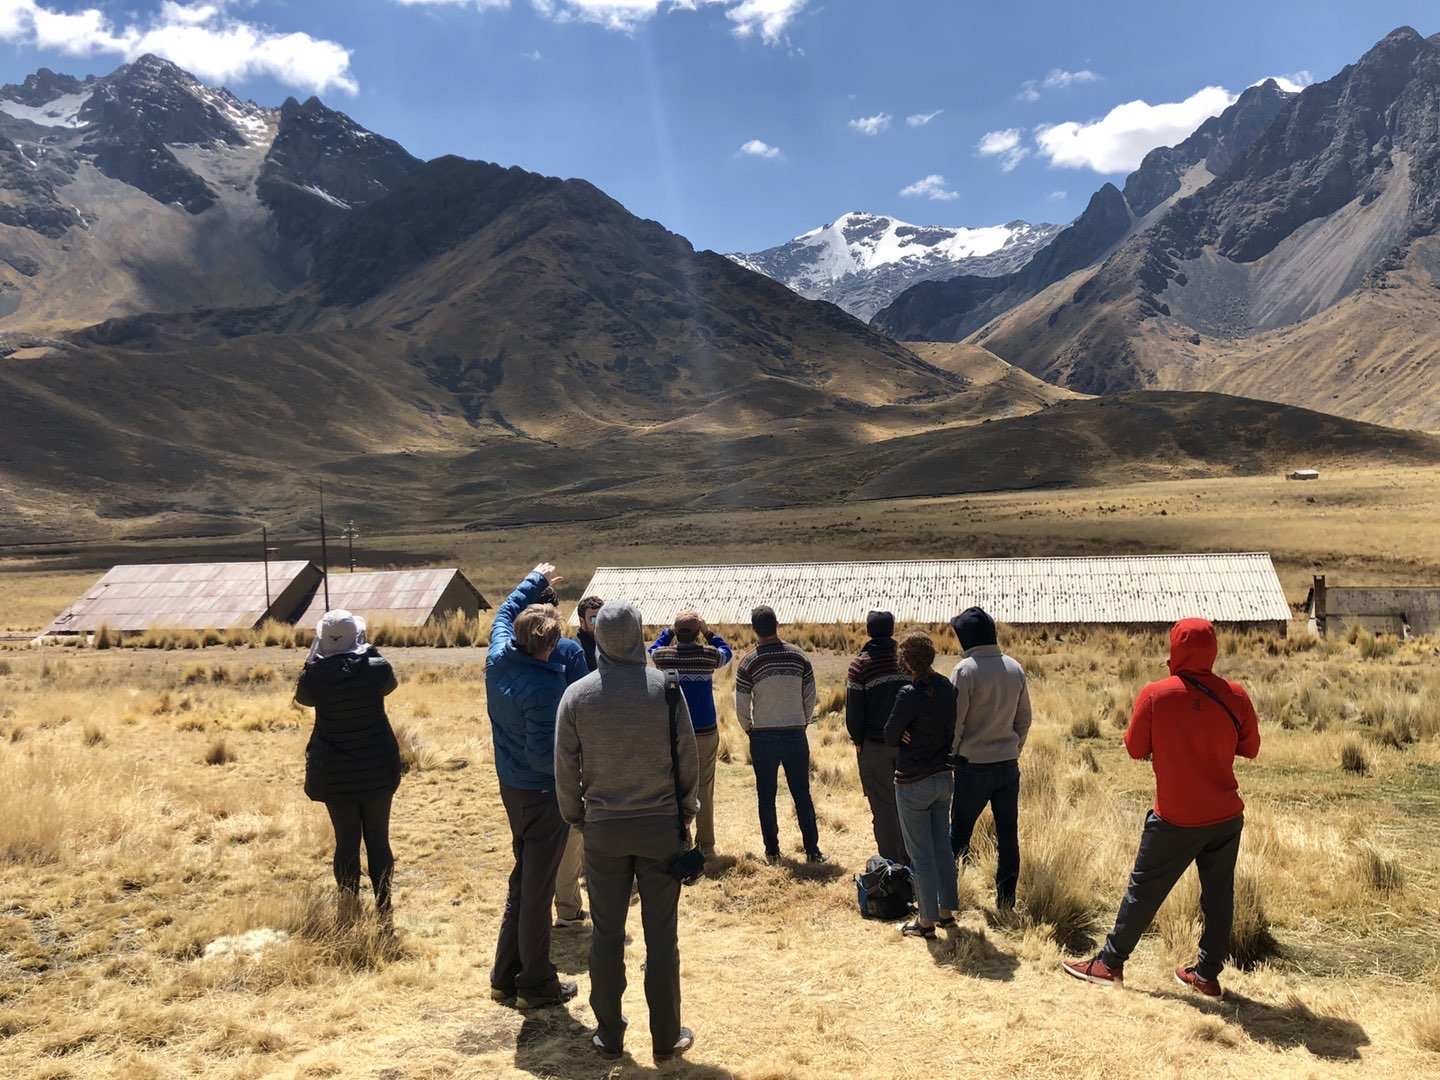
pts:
[351, 534]
[265, 550]
[324, 549]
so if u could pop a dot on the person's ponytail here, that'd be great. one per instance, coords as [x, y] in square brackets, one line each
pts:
[917, 657]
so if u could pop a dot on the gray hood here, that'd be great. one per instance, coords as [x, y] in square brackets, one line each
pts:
[620, 633]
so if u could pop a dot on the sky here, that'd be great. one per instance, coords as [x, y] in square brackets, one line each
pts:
[742, 123]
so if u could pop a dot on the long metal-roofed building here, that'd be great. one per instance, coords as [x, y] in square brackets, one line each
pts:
[190, 596]
[1148, 590]
[399, 597]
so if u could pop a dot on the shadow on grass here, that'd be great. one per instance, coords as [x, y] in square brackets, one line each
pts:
[1293, 1024]
[720, 867]
[970, 952]
[554, 1044]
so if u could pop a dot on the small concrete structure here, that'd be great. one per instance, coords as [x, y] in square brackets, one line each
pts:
[1303, 474]
[1403, 611]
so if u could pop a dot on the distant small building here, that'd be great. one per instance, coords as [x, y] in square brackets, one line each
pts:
[190, 596]
[398, 597]
[1303, 474]
[1131, 591]
[1403, 611]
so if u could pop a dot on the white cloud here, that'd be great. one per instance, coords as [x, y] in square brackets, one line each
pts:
[1117, 141]
[533, 55]
[757, 148]
[871, 125]
[921, 119]
[1292, 83]
[930, 187]
[1056, 79]
[768, 19]
[1058, 196]
[202, 38]
[1005, 145]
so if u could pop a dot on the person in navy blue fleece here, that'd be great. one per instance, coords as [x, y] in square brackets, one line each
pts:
[527, 670]
[695, 653]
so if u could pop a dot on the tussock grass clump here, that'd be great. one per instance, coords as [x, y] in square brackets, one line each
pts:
[93, 735]
[1381, 873]
[1252, 941]
[1425, 1027]
[105, 638]
[1085, 727]
[1353, 758]
[219, 752]
[416, 755]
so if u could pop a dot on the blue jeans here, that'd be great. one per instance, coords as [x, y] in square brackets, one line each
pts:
[925, 822]
[769, 750]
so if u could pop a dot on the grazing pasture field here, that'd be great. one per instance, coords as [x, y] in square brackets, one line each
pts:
[165, 906]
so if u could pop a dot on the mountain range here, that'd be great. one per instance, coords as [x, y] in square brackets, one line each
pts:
[207, 307]
[1289, 249]
[862, 262]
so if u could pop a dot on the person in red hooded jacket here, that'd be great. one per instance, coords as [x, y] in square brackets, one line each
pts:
[1190, 727]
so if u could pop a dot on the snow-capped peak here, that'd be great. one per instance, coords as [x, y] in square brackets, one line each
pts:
[861, 260]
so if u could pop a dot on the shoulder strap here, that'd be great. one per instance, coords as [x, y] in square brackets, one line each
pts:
[672, 703]
[1195, 684]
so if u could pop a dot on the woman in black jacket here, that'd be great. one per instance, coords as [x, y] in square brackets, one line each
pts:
[922, 726]
[352, 762]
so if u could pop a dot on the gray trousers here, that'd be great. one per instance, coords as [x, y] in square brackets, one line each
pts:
[620, 853]
[877, 779]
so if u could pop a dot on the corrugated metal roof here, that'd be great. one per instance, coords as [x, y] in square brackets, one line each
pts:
[398, 597]
[1229, 588]
[183, 596]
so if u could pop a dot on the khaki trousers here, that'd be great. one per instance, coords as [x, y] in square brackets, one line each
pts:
[569, 900]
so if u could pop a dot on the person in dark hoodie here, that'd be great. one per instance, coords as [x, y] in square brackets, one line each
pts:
[1191, 727]
[629, 782]
[871, 686]
[526, 672]
[921, 730]
[352, 761]
[992, 722]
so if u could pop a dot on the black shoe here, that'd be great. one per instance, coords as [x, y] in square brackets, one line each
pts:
[504, 997]
[598, 1045]
[682, 1046]
[565, 992]
[816, 856]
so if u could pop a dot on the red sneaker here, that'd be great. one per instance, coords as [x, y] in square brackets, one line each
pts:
[1188, 976]
[1094, 971]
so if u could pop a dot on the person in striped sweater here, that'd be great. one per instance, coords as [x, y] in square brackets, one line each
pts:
[694, 652]
[775, 704]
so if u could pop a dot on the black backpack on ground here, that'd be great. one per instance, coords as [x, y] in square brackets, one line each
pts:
[885, 890]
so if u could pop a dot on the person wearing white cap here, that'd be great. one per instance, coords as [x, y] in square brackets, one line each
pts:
[352, 761]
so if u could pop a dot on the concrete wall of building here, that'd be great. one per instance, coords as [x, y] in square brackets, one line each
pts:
[1379, 609]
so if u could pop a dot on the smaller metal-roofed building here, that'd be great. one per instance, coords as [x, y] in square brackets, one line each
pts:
[399, 597]
[1149, 590]
[190, 596]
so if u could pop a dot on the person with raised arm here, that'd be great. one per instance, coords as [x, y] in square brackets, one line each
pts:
[526, 673]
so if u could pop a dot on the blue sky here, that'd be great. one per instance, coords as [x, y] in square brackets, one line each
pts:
[653, 100]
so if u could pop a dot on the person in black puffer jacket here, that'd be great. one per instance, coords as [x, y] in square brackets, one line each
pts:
[352, 761]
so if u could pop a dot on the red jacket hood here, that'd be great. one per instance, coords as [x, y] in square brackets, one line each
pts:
[1193, 647]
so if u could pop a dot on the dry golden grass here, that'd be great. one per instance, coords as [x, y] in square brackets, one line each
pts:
[120, 862]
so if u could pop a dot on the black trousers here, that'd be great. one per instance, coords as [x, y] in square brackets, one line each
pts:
[769, 752]
[996, 785]
[619, 855]
[1166, 852]
[876, 763]
[364, 817]
[537, 837]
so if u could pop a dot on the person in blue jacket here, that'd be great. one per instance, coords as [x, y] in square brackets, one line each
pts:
[527, 669]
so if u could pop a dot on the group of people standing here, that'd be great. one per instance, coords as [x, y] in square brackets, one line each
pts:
[606, 752]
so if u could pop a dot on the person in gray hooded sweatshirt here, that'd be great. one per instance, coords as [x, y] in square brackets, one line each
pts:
[615, 780]
[992, 722]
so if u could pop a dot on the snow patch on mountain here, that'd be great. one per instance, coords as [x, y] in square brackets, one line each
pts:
[863, 261]
[61, 112]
